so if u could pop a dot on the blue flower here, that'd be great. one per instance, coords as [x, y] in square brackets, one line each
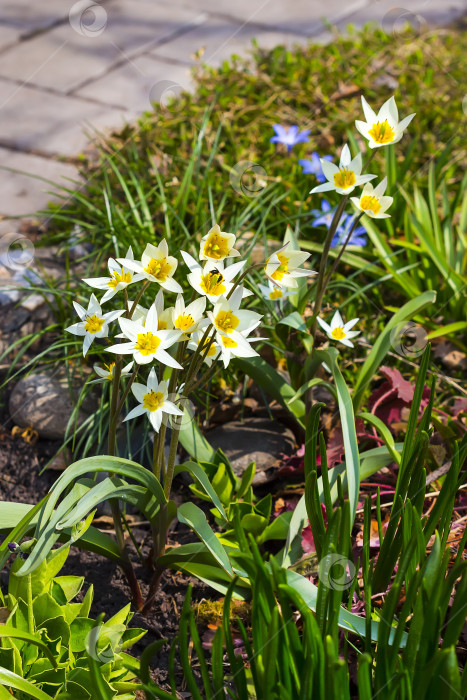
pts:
[313, 166]
[289, 136]
[324, 215]
[357, 238]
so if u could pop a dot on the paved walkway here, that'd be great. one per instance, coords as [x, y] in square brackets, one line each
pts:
[67, 68]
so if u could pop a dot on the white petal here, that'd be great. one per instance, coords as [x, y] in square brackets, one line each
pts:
[87, 343]
[166, 359]
[345, 157]
[324, 325]
[329, 169]
[325, 187]
[370, 115]
[139, 390]
[121, 348]
[135, 412]
[171, 285]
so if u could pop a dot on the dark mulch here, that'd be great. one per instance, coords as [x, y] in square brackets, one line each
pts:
[21, 481]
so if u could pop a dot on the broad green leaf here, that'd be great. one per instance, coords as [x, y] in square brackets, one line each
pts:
[273, 383]
[295, 321]
[93, 539]
[384, 432]
[194, 442]
[199, 474]
[9, 632]
[194, 517]
[316, 381]
[349, 435]
[12, 680]
[347, 620]
[383, 343]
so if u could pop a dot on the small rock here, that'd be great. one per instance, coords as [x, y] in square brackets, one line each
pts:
[259, 440]
[43, 401]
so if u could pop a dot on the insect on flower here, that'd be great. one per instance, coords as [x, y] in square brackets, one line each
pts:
[153, 401]
[384, 128]
[345, 178]
[93, 323]
[214, 279]
[338, 330]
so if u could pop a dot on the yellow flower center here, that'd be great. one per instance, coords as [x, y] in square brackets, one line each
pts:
[344, 178]
[110, 369]
[153, 400]
[212, 351]
[216, 247]
[275, 294]
[147, 343]
[212, 283]
[382, 132]
[371, 203]
[228, 342]
[160, 269]
[184, 322]
[226, 321]
[162, 325]
[118, 277]
[282, 269]
[338, 333]
[93, 324]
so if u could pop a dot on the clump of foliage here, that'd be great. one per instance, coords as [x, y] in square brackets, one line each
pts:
[46, 638]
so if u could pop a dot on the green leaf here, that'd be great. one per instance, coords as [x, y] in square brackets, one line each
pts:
[383, 343]
[346, 620]
[194, 517]
[371, 461]
[349, 434]
[194, 442]
[385, 433]
[12, 680]
[200, 475]
[295, 321]
[274, 384]
[309, 385]
[9, 632]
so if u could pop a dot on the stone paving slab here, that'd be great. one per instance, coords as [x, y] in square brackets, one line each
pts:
[140, 82]
[63, 59]
[302, 17]
[68, 65]
[31, 120]
[219, 39]
[22, 192]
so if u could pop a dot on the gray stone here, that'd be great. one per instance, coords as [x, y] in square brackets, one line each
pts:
[140, 82]
[218, 39]
[32, 120]
[44, 402]
[259, 440]
[24, 178]
[88, 46]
